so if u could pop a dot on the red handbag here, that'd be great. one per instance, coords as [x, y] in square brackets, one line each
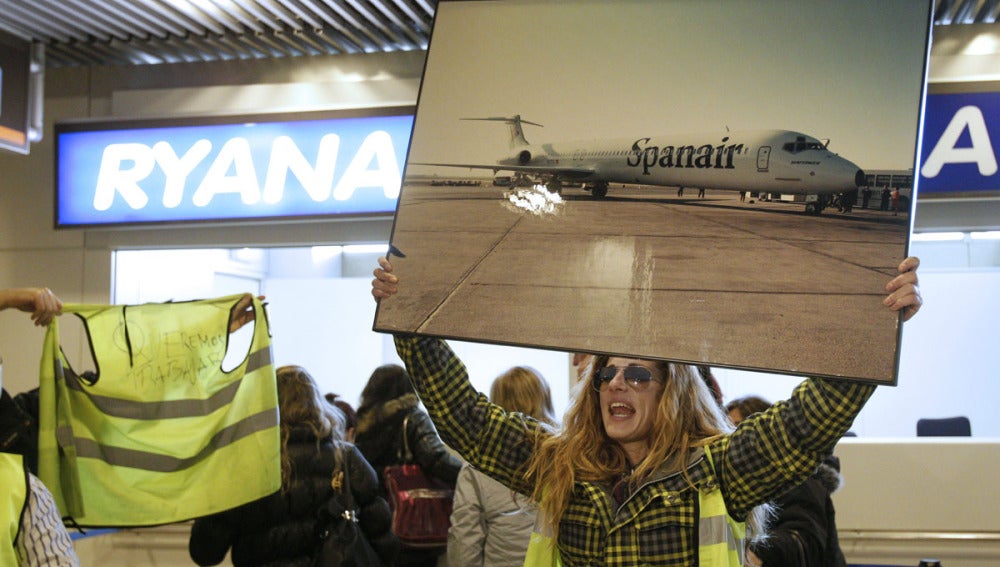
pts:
[420, 503]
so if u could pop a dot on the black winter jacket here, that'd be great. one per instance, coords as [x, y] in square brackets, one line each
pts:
[282, 529]
[379, 436]
[19, 426]
[804, 533]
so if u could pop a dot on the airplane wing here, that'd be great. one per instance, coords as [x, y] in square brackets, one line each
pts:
[560, 171]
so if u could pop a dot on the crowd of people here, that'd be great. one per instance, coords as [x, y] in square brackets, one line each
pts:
[645, 454]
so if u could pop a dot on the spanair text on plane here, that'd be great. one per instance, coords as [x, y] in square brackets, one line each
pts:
[772, 161]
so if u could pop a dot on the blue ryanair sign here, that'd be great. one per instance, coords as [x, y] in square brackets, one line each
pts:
[247, 167]
[958, 154]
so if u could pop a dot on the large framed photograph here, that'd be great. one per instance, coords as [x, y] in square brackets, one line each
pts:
[721, 182]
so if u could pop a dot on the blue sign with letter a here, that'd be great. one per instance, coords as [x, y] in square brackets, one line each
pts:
[959, 140]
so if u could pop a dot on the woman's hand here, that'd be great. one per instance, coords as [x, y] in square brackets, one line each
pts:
[39, 301]
[385, 284]
[904, 293]
[242, 312]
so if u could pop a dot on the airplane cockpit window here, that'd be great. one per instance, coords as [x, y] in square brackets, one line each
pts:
[801, 145]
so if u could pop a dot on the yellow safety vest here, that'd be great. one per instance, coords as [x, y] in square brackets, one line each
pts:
[720, 537]
[13, 498]
[159, 433]
[542, 549]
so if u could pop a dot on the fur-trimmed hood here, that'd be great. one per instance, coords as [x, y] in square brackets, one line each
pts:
[828, 473]
[378, 415]
[380, 436]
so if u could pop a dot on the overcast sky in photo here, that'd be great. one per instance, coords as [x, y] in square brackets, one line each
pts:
[849, 71]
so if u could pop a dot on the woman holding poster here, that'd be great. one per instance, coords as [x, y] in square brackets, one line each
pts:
[646, 469]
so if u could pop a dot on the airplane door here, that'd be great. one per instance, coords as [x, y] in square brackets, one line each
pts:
[763, 158]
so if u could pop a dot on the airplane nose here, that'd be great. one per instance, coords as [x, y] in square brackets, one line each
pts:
[859, 178]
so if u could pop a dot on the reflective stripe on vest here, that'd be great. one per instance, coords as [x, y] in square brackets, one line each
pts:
[13, 497]
[150, 437]
[720, 538]
[542, 550]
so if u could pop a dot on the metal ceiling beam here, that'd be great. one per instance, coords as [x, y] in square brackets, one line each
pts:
[337, 44]
[421, 21]
[965, 11]
[234, 45]
[397, 23]
[989, 12]
[35, 24]
[249, 15]
[132, 32]
[94, 19]
[307, 17]
[155, 24]
[189, 13]
[353, 28]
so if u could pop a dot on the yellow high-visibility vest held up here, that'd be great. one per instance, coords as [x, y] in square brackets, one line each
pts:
[158, 432]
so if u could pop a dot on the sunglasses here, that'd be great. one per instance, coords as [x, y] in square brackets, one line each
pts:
[638, 377]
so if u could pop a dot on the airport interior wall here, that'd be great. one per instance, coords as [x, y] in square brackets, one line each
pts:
[948, 363]
[908, 499]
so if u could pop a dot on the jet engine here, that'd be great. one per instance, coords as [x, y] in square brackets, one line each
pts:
[521, 157]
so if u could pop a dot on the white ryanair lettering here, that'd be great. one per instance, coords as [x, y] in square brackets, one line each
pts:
[126, 167]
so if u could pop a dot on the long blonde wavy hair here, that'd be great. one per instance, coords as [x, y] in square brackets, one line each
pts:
[300, 403]
[687, 416]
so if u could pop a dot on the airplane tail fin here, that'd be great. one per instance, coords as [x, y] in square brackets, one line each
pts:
[513, 125]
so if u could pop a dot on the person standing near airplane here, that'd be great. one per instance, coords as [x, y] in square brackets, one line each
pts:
[646, 468]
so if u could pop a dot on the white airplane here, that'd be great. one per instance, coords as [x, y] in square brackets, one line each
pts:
[764, 161]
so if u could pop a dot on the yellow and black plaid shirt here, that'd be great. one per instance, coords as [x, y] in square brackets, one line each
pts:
[658, 523]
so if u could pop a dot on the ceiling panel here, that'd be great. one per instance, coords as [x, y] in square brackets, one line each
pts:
[138, 32]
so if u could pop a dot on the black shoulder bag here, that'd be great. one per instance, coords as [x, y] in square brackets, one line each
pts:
[342, 543]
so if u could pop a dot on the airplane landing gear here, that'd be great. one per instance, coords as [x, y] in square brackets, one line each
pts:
[815, 204]
[598, 190]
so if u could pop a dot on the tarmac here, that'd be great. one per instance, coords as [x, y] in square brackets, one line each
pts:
[645, 273]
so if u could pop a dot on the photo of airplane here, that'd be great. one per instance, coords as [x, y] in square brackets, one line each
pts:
[763, 161]
[664, 179]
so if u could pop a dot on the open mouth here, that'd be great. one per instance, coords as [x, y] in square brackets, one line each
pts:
[621, 410]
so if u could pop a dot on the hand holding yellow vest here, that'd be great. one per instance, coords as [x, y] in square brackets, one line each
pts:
[160, 433]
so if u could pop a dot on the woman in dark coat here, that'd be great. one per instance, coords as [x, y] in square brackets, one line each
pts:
[282, 529]
[803, 532]
[388, 399]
